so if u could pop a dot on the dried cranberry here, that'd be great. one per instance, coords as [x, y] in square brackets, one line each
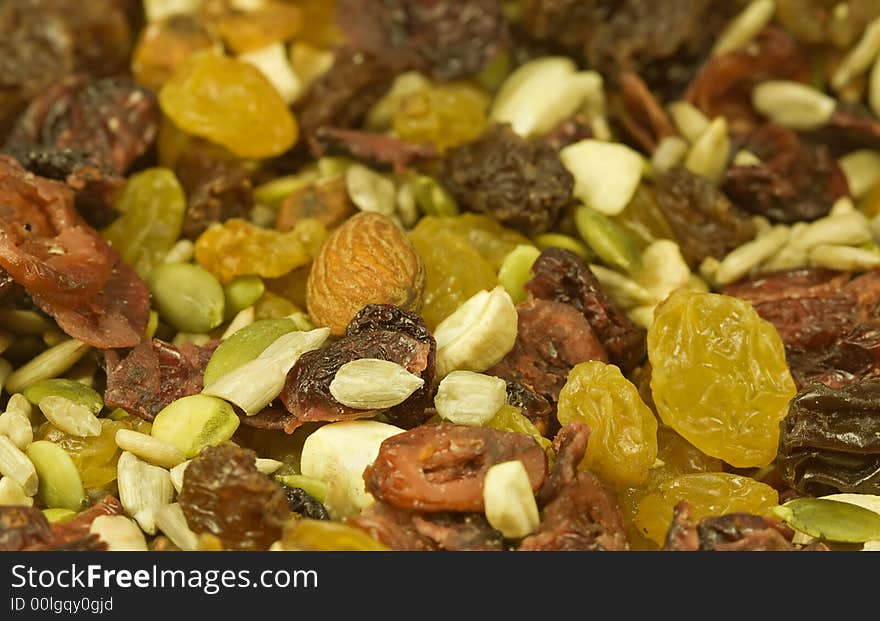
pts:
[22, 528]
[569, 448]
[373, 149]
[225, 495]
[442, 467]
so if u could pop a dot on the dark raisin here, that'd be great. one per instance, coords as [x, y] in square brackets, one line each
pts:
[533, 406]
[447, 39]
[569, 448]
[641, 117]
[442, 467]
[326, 201]
[519, 182]
[830, 440]
[226, 194]
[705, 222]
[583, 516]
[225, 495]
[795, 181]
[559, 275]
[551, 338]
[300, 501]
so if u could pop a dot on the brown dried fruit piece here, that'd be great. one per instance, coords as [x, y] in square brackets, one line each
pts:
[225, 193]
[378, 150]
[795, 181]
[66, 267]
[225, 495]
[559, 275]
[639, 113]
[442, 467]
[367, 260]
[326, 201]
[380, 331]
[705, 222]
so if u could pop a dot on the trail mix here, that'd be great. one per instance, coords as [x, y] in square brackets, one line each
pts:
[440, 275]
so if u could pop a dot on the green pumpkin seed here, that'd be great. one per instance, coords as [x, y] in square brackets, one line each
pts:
[273, 193]
[245, 345]
[194, 422]
[432, 198]
[607, 239]
[516, 270]
[60, 483]
[830, 519]
[241, 293]
[558, 240]
[188, 296]
[152, 325]
[71, 390]
[57, 516]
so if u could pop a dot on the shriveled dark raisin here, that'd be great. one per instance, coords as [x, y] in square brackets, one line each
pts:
[533, 406]
[795, 181]
[569, 448]
[442, 467]
[444, 38]
[560, 275]
[521, 183]
[552, 337]
[380, 331]
[705, 222]
[300, 501]
[225, 495]
[830, 440]
[226, 194]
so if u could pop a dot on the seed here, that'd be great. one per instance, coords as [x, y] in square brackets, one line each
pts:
[862, 171]
[795, 105]
[563, 90]
[143, 489]
[663, 269]
[478, 334]
[625, 292]
[5, 372]
[182, 338]
[316, 488]
[381, 114]
[849, 229]
[558, 240]
[149, 448]
[6, 339]
[16, 426]
[830, 519]
[337, 454]
[515, 270]
[121, 534]
[25, 322]
[510, 418]
[642, 316]
[274, 192]
[57, 515]
[373, 384]
[273, 61]
[255, 384]
[71, 390]
[171, 521]
[708, 154]
[16, 465]
[182, 251]
[407, 208]
[509, 501]
[245, 345]
[268, 466]
[708, 268]
[370, 191]
[191, 423]
[187, 296]
[788, 257]
[468, 398]
[432, 198]
[607, 239]
[240, 293]
[842, 205]
[742, 260]
[242, 319]
[745, 26]
[859, 58]
[874, 88]
[70, 417]
[746, 158]
[689, 120]
[669, 153]
[606, 174]
[11, 493]
[83, 372]
[176, 474]
[51, 363]
[60, 483]
[845, 258]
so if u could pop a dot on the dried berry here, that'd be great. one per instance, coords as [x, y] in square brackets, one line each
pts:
[569, 448]
[22, 528]
[378, 331]
[299, 501]
[519, 182]
[373, 149]
[441, 467]
[705, 222]
[444, 38]
[225, 495]
[326, 201]
[560, 275]
[795, 181]
[222, 196]
[533, 406]
[640, 114]
[829, 440]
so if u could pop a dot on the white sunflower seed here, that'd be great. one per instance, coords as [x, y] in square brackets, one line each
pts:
[509, 501]
[859, 58]
[17, 466]
[11, 493]
[793, 104]
[750, 255]
[373, 384]
[273, 61]
[143, 489]
[709, 153]
[120, 533]
[51, 363]
[669, 153]
[689, 120]
[171, 521]
[862, 171]
[847, 229]
[149, 448]
[468, 398]
[844, 258]
[606, 174]
[745, 26]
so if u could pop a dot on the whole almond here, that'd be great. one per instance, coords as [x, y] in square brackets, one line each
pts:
[367, 260]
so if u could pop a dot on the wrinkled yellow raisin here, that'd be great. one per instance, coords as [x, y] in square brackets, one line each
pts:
[445, 115]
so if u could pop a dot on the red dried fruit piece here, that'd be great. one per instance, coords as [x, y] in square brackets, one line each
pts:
[22, 528]
[519, 182]
[641, 116]
[569, 448]
[447, 39]
[77, 528]
[373, 149]
[795, 181]
[69, 271]
[225, 495]
[559, 275]
[551, 338]
[723, 86]
[583, 516]
[442, 467]
[382, 331]
[705, 222]
[153, 374]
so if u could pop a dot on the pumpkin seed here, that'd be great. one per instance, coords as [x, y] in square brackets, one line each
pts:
[832, 520]
[245, 345]
[558, 240]
[58, 515]
[610, 243]
[516, 270]
[69, 389]
[432, 198]
[240, 293]
[60, 483]
[25, 322]
[187, 296]
[194, 422]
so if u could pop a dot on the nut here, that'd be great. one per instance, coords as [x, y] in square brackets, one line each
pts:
[367, 260]
[509, 500]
